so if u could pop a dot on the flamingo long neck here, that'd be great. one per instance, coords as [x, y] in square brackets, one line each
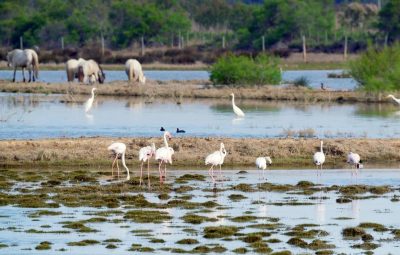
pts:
[321, 148]
[123, 161]
[165, 141]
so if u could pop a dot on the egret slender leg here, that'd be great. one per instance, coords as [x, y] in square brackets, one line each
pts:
[112, 167]
[148, 172]
[141, 174]
[211, 172]
[220, 172]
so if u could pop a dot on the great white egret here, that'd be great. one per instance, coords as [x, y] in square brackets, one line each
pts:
[319, 157]
[262, 163]
[214, 159]
[355, 160]
[145, 154]
[236, 109]
[89, 102]
[119, 149]
[394, 98]
[164, 155]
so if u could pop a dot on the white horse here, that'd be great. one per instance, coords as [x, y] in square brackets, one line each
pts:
[89, 72]
[134, 71]
[25, 59]
[71, 67]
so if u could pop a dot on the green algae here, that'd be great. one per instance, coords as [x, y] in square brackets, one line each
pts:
[241, 250]
[244, 218]
[297, 242]
[187, 241]
[236, 197]
[197, 219]
[355, 232]
[146, 216]
[44, 246]
[219, 231]
[85, 242]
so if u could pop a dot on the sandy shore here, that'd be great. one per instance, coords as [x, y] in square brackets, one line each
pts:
[194, 89]
[190, 152]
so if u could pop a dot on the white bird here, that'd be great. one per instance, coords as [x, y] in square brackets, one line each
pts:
[236, 109]
[394, 98]
[89, 102]
[119, 149]
[145, 154]
[216, 158]
[319, 157]
[164, 155]
[262, 163]
[355, 160]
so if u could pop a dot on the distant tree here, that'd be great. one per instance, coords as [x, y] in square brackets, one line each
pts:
[389, 20]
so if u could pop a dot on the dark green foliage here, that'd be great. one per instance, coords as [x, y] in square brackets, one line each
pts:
[242, 70]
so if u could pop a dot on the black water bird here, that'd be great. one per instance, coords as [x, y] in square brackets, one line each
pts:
[162, 129]
[180, 130]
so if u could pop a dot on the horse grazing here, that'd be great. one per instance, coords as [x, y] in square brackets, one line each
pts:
[71, 66]
[89, 72]
[134, 71]
[25, 59]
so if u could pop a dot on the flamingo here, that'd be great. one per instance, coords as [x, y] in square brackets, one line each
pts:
[236, 109]
[394, 98]
[164, 155]
[145, 154]
[355, 161]
[262, 163]
[214, 159]
[319, 157]
[119, 149]
[89, 102]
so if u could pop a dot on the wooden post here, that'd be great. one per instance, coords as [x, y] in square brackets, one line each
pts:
[345, 47]
[180, 40]
[62, 42]
[21, 43]
[304, 49]
[223, 42]
[142, 43]
[263, 43]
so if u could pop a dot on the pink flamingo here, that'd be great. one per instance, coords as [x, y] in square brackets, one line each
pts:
[164, 155]
[216, 158]
[145, 154]
[119, 149]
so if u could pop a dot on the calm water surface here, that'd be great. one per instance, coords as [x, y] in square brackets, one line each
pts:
[24, 116]
[315, 77]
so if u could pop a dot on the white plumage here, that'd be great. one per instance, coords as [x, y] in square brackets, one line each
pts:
[319, 157]
[236, 109]
[262, 163]
[119, 149]
[214, 159]
[145, 154]
[164, 155]
[354, 159]
[89, 102]
[394, 98]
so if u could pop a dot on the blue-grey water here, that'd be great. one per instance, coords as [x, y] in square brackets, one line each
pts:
[24, 116]
[315, 77]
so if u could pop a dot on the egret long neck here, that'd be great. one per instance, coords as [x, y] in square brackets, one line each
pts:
[165, 140]
[233, 99]
[321, 147]
[92, 94]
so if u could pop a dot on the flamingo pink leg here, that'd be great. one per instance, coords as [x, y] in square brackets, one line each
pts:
[141, 174]
[112, 167]
[148, 172]
[159, 170]
[117, 168]
[211, 172]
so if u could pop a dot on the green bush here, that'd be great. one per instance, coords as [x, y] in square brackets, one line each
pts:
[378, 70]
[301, 82]
[243, 70]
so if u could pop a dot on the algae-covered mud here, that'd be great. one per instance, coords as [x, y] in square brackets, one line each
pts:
[83, 210]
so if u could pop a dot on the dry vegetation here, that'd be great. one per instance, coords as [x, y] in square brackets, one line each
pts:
[194, 89]
[191, 152]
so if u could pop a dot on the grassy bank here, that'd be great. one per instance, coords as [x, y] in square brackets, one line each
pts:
[194, 89]
[190, 152]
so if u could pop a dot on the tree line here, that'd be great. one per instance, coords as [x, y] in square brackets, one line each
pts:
[246, 24]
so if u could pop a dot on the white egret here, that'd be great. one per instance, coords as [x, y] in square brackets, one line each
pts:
[262, 163]
[89, 102]
[236, 109]
[119, 149]
[214, 159]
[164, 155]
[394, 98]
[145, 154]
[319, 157]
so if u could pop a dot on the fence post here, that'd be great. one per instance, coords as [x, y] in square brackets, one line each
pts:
[142, 45]
[263, 43]
[304, 49]
[62, 42]
[102, 44]
[21, 43]
[345, 47]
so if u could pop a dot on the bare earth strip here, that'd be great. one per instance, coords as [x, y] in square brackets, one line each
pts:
[191, 151]
[194, 89]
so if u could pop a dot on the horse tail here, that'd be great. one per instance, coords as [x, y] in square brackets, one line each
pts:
[131, 72]
[35, 63]
[81, 74]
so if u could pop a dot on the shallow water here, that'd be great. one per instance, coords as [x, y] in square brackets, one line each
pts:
[24, 116]
[323, 212]
[315, 77]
